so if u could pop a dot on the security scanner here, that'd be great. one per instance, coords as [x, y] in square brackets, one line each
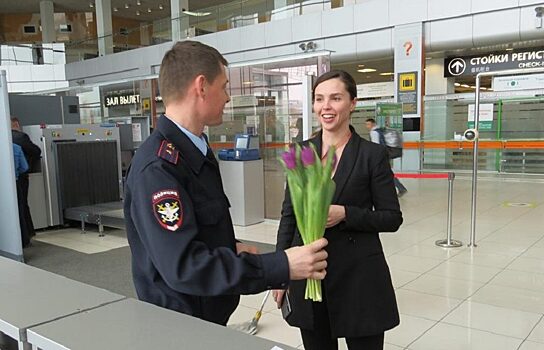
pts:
[246, 147]
[81, 175]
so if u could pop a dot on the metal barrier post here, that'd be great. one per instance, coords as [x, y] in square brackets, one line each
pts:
[448, 242]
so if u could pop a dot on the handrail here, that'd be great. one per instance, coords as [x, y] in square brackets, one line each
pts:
[500, 144]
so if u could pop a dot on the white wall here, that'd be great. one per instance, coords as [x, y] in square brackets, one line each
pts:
[25, 76]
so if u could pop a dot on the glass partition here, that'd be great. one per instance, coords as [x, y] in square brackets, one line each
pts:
[266, 99]
[510, 139]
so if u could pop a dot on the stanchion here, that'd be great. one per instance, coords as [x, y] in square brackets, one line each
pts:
[448, 242]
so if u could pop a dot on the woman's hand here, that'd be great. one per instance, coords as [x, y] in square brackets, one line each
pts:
[278, 296]
[337, 213]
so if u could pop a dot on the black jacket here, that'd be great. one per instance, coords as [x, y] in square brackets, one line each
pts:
[31, 151]
[360, 295]
[181, 234]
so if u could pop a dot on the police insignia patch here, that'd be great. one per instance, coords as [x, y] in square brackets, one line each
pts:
[167, 209]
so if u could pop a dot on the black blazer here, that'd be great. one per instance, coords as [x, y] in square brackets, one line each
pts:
[360, 295]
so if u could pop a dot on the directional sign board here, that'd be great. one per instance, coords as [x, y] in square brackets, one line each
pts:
[472, 65]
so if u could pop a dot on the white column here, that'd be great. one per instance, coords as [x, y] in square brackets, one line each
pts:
[104, 27]
[47, 21]
[408, 44]
[180, 21]
[10, 239]
[145, 35]
[438, 114]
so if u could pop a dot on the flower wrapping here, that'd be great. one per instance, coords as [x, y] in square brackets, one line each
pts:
[311, 189]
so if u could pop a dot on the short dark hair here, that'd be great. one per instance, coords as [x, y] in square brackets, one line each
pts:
[14, 119]
[344, 76]
[183, 63]
[372, 120]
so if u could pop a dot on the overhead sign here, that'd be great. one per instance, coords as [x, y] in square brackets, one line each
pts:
[472, 65]
[518, 82]
[376, 90]
[121, 100]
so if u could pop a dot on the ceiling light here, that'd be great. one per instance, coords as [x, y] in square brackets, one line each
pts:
[195, 14]
[457, 84]
[148, 10]
[127, 6]
[137, 13]
[366, 70]
[247, 82]
[115, 9]
[160, 7]
[387, 73]
[138, 2]
[91, 5]
[509, 49]
[465, 85]
[360, 65]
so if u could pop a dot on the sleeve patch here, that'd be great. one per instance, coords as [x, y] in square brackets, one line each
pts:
[168, 152]
[167, 209]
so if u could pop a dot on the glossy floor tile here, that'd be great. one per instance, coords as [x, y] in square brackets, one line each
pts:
[489, 297]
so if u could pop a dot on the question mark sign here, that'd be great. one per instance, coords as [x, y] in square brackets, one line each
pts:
[408, 46]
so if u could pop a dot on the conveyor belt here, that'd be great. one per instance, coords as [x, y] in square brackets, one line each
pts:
[104, 214]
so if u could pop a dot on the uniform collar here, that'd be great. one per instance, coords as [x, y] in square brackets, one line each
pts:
[187, 149]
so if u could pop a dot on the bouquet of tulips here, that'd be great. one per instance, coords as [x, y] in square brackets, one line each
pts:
[311, 189]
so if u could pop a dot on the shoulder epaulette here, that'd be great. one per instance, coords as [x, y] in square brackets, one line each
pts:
[168, 152]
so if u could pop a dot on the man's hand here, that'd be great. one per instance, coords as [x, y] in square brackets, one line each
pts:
[241, 247]
[337, 213]
[308, 261]
[278, 296]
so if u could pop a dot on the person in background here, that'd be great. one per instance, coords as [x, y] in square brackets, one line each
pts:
[358, 297]
[184, 253]
[375, 137]
[21, 167]
[32, 155]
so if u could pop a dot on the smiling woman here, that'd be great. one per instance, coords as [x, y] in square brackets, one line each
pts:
[358, 300]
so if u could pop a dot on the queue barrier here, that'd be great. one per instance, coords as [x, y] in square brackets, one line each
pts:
[448, 242]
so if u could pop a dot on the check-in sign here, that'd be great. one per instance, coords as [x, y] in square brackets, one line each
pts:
[472, 65]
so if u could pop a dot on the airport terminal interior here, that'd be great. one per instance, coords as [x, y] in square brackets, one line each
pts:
[462, 83]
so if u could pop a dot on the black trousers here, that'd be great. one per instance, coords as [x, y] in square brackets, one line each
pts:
[24, 183]
[25, 237]
[320, 337]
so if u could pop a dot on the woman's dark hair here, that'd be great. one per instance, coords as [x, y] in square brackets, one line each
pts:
[344, 76]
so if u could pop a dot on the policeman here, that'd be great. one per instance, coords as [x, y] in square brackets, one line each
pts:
[184, 254]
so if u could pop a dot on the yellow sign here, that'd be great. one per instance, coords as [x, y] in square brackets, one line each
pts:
[146, 104]
[407, 82]
[82, 131]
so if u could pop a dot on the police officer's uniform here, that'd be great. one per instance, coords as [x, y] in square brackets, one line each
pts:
[181, 235]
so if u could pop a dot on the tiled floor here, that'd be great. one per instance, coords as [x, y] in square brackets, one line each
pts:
[486, 297]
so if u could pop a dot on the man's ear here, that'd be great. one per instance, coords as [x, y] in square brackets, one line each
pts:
[201, 85]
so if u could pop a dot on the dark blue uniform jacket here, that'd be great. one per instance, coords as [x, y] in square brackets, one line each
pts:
[181, 235]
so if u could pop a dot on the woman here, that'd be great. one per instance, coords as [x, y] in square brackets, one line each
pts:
[358, 297]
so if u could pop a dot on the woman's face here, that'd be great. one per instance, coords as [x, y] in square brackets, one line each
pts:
[333, 105]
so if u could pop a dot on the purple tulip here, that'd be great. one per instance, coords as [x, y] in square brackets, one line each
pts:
[307, 156]
[290, 159]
